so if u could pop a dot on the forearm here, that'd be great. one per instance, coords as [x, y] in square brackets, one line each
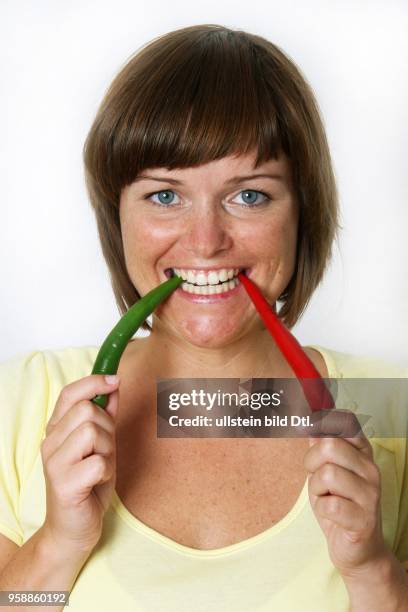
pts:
[40, 566]
[382, 587]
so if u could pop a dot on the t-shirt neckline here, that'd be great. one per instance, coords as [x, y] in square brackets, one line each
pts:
[136, 524]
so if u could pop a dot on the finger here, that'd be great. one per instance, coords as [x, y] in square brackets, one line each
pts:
[112, 406]
[84, 389]
[332, 479]
[84, 411]
[343, 512]
[340, 423]
[92, 471]
[86, 440]
[361, 442]
[343, 453]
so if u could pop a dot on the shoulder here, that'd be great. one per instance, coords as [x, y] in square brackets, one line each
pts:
[31, 381]
[59, 363]
[347, 365]
[376, 390]
[69, 363]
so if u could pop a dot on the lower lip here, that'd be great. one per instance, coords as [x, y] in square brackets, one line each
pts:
[209, 299]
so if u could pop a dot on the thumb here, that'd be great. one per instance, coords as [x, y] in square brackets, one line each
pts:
[113, 404]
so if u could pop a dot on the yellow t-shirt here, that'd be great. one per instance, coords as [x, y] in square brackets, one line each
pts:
[135, 568]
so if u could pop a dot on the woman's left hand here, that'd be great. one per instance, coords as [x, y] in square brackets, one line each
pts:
[345, 494]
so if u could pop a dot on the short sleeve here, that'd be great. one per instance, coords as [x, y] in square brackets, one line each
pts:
[23, 413]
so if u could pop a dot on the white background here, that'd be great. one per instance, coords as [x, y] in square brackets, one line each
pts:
[58, 58]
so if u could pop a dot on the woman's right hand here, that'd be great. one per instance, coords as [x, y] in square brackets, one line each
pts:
[79, 463]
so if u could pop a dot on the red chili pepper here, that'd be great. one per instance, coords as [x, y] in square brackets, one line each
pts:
[316, 392]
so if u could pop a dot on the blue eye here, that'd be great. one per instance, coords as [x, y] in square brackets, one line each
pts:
[166, 197]
[251, 197]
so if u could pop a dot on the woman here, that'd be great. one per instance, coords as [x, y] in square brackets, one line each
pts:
[207, 156]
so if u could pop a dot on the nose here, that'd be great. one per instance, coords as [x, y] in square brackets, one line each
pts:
[207, 231]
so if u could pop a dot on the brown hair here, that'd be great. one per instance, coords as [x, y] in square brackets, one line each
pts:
[198, 94]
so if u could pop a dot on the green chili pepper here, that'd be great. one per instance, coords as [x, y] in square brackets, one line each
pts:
[107, 360]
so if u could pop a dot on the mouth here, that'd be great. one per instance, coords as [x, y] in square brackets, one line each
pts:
[207, 282]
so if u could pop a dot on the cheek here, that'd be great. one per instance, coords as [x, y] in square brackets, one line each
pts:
[276, 241]
[144, 239]
[288, 233]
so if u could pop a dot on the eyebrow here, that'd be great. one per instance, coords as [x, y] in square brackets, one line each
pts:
[234, 179]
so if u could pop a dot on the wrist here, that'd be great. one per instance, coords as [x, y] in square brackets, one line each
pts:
[58, 552]
[379, 585]
[381, 567]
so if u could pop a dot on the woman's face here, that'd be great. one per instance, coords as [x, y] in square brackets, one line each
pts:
[222, 215]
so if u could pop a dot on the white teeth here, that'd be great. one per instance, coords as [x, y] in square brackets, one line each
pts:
[223, 275]
[201, 279]
[189, 276]
[210, 289]
[214, 277]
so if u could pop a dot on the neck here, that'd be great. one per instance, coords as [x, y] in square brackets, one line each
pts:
[252, 356]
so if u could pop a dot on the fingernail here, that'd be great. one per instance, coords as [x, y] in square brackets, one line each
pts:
[112, 379]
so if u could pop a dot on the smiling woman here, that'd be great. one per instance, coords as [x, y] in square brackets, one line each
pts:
[185, 115]
[209, 235]
[207, 158]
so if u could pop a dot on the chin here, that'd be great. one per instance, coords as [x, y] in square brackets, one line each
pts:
[206, 333]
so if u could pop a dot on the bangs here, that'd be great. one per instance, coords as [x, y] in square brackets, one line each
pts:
[196, 95]
[181, 104]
